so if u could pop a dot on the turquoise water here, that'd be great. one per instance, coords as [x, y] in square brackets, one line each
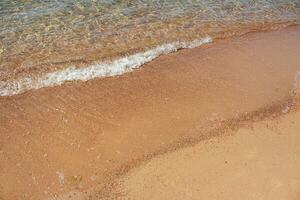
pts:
[39, 37]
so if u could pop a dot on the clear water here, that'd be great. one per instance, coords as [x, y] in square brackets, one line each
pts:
[41, 37]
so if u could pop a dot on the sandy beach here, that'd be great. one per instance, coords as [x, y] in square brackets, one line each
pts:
[257, 162]
[215, 122]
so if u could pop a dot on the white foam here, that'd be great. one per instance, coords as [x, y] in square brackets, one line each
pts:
[117, 67]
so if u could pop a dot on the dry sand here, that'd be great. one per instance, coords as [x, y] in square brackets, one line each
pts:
[72, 141]
[261, 162]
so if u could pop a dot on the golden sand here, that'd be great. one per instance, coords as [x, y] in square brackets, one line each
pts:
[257, 162]
[71, 142]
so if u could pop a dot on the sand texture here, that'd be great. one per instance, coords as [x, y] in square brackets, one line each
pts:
[78, 141]
[257, 162]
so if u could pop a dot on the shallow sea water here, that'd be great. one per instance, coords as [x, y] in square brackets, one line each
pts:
[43, 42]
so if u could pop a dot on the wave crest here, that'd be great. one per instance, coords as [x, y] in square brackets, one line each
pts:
[116, 67]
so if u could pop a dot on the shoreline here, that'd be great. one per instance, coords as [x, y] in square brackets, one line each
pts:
[85, 134]
[115, 67]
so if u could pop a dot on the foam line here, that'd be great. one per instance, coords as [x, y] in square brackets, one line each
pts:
[116, 67]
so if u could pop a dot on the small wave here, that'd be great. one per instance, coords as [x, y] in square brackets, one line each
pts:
[117, 67]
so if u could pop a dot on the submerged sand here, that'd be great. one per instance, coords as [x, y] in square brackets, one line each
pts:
[73, 141]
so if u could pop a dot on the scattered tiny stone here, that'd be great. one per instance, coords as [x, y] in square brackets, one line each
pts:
[25, 195]
[61, 177]
[34, 180]
[286, 109]
[90, 149]
[93, 178]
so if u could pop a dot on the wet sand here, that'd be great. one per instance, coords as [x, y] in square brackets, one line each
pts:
[72, 141]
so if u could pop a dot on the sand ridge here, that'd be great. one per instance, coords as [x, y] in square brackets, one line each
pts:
[256, 157]
[262, 163]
